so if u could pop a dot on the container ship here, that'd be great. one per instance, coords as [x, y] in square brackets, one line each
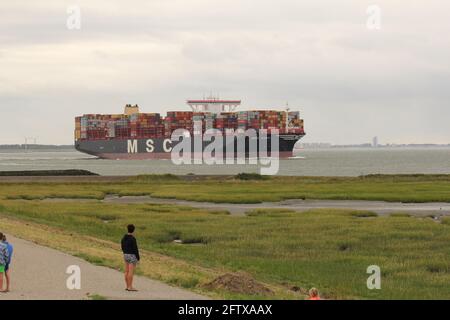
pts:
[136, 135]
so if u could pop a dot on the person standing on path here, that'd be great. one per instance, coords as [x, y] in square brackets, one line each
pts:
[4, 257]
[131, 256]
[10, 249]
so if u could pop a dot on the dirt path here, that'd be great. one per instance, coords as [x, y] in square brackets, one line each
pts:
[379, 207]
[39, 273]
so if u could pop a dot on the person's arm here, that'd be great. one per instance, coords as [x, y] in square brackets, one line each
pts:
[136, 249]
[122, 244]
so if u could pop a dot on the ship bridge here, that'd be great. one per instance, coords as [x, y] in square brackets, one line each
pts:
[213, 105]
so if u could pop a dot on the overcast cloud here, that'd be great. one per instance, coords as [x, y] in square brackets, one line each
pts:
[349, 83]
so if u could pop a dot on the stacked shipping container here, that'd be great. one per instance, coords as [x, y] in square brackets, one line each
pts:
[177, 120]
[152, 125]
[146, 125]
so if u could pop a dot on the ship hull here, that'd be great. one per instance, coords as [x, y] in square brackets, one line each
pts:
[158, 148]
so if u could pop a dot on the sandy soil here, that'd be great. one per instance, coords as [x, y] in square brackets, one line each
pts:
[40, 273]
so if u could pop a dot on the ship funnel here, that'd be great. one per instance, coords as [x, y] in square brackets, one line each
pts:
[129, 109]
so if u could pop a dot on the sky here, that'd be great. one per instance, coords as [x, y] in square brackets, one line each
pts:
[349, 81]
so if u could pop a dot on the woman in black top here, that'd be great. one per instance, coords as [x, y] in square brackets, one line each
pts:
[131, 256]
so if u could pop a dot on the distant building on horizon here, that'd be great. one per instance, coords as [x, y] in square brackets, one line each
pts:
[375, 142]
[313, 145]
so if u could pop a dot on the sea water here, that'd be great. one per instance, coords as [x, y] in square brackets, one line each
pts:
[307, 162]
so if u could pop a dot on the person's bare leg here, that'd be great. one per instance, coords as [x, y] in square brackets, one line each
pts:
[130, 276]
[126, 275]
[8, 280]
[129, 283]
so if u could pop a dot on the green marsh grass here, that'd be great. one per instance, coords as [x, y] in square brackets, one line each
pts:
[399, 188]
[328, 249]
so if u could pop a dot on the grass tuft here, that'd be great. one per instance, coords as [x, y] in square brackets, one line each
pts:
[438, 268]
[251, 176]
[400, 215]
[152, 178]
[363, 214]
[97, 297]
[269, 212]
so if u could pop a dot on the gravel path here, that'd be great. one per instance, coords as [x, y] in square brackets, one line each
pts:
[39, 273]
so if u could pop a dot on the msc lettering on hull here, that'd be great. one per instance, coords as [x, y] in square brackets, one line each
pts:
[133, 146]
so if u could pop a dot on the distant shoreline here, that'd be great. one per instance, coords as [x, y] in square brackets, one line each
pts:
[313, 146]
[301, 146]
[47, 173]
[35, 147]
